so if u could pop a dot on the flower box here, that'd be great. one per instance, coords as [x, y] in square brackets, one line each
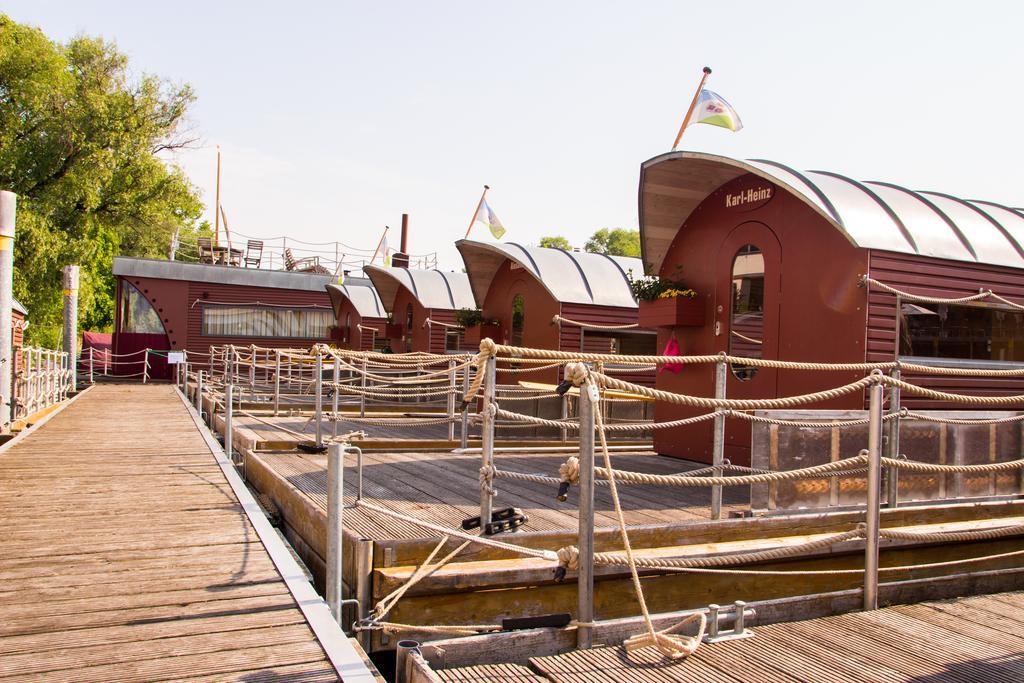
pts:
[471, 336]
[393, 331]
[678, 311]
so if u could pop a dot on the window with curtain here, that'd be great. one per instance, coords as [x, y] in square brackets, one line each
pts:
[265, 321]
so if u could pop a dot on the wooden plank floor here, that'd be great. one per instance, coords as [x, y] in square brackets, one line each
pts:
[125, 555]
[443, 487]
[977, 639]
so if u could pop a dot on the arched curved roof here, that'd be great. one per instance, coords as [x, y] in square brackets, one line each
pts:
[873, 215]
[569, 276]
[364, 299]
[443, 290]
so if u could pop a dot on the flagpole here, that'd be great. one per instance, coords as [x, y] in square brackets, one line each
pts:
[693, 104]
[480, 203]
[216, 212]
[380, 242]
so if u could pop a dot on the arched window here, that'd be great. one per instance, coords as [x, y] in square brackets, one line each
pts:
[746, 324]
[517, 320]
[137, 314]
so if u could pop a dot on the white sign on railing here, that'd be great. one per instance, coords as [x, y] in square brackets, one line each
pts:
[175, 357]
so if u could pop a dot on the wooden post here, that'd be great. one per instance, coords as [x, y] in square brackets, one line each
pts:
[590, 401]
[487, 438]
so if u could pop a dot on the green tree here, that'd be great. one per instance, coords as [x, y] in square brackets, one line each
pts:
[80, 143]
[614, 242]
[555, 242]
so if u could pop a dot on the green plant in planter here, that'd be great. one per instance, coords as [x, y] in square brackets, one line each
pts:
[468, 317]
[652, 287]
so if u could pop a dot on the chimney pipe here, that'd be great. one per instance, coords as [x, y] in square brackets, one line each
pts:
[401, 258]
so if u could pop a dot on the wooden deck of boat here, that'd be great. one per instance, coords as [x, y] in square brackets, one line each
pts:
[978, 638]
[444, 488]
[125, 555]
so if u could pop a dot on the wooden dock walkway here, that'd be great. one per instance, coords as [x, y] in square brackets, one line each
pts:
[978, 638]
[126, 554]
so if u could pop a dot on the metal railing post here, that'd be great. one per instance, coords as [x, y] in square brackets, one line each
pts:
[590, 401]
[199, 394]
[873, 514]
[91, 363]
[718, 445]
[336, 377]
[487, 438]
[335, 508]
[451, 400]
[364, 584]
[228, 411]
[277, 381]
[892, 447]
[145, 366]
[252, 371]
[464, 429]
[362, 394]
[565, 416]
[318, 388]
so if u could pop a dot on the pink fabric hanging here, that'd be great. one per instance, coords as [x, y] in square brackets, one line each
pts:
[671, 349]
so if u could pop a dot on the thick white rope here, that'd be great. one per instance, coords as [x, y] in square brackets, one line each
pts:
[558, 320]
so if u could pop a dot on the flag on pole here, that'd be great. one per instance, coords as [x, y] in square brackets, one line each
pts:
[485, 214]
[385, 251]
[714, 110]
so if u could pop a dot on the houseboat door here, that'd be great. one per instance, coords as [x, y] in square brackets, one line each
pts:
[747, 308]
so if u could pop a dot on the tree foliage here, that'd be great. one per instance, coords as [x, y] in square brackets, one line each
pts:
[614, 242]
[80, 143]
[555, 242]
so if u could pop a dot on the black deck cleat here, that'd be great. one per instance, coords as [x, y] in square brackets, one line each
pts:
[563, 491]
[560, 574]
[563, 387]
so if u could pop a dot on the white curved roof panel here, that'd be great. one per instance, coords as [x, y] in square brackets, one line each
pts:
[364, 299]
[872, 215]
[570, 277]
[443, 290]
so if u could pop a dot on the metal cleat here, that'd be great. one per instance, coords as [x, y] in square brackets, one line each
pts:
[739, 613]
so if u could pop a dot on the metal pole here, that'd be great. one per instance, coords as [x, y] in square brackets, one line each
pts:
[718, 454]
[145, 366]
[8, 209]
[277, 381]
[318, 387]
[91, 361]
[893, 445]
[487, 437]
[874, 495]
[334, 395]
[199, 394]
[228, 410]
[362, 395]
[335, 507]
[464, 429]
[589, 403]
[71, 279]
[451, 400]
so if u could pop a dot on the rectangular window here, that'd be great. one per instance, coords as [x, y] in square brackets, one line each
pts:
[622, 343]
[983, 333]
[265, 321]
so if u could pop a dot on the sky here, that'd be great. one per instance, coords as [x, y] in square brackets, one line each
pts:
[334, 118]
